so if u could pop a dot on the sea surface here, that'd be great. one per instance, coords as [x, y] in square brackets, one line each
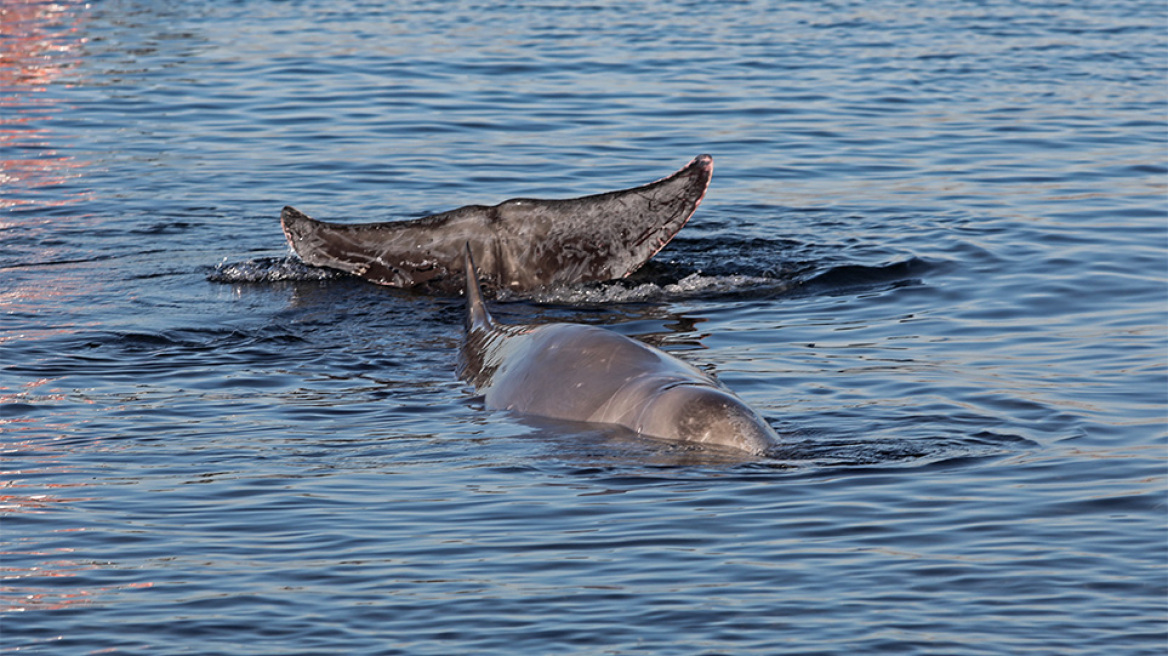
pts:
[934, 256]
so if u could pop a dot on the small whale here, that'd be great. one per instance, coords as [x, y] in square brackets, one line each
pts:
[523, 244]
[586, 373]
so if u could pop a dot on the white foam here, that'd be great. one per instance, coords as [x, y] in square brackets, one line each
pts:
[269, 269]
[619, 291]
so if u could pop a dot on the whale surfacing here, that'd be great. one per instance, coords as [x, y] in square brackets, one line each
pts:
[587, 373]
[522, 244]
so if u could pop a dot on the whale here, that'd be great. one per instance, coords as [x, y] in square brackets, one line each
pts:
[523, 244]
[587, 373]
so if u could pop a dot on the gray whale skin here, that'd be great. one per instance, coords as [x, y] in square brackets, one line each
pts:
[586, 373]
[522, 244]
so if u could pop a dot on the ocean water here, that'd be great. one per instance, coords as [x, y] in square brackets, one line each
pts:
[934, 256]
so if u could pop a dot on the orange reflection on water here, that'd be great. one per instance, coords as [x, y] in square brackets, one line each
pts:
[24, 589]
[37, 33]
[34, 173]
[40, 43]
[36, 501]
[73, 286]
[27, 586]
[34, 575]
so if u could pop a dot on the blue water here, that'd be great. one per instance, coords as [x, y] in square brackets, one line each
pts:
[934, 256]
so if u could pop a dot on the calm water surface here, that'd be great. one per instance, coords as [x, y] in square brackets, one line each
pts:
[934, 256]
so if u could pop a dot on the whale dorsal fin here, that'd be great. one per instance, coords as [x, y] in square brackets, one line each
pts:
[477, 316]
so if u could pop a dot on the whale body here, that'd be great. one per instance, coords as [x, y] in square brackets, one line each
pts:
[522, 244]
[586, 373]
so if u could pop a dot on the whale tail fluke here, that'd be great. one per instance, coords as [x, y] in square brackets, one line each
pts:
[525, 244]
[477, 316]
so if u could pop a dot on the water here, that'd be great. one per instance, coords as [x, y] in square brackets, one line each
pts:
[933, 256]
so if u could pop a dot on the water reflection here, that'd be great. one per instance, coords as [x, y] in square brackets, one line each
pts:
[39, 45]
[36, 575]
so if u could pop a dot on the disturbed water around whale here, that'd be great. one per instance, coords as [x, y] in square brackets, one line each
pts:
[932, 257]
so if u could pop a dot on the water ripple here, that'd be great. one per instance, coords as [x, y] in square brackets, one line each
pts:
[931, 256]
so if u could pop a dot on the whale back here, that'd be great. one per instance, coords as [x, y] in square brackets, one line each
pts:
[586, 373]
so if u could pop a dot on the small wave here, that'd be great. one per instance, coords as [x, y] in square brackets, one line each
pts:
[849, 277]
[271, 269]
[656, 287]
[807, 449]
[656, 282]
[623, 291]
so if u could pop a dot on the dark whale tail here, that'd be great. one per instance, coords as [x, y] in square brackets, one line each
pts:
[522, 244]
